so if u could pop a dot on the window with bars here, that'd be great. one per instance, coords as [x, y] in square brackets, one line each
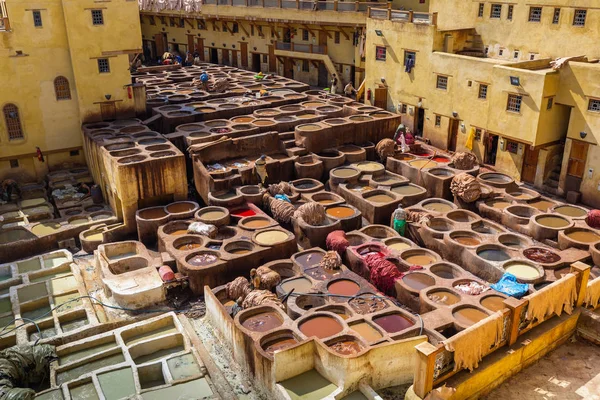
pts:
[103, 65]
[535, 14]
[380, 53]
[594, 105]
[37, 18]
[336, 37]
[403, 109]
[181, 23]
[201, 25]
[514, 103]
[550, 103]
[480, 12]
[235, 28]
[483, 91]
[487, 50]
[13, 122]
[152, 20]
[251, 30]
[556, 17]
[496, 11]
[516, 54]
[442, 82]
[438, 120]
[579, 17]
[532, 57]
[510, 12]
[14, 163]
[62, 89]
[265, 60]
[512, 147]
[478, 133]
[305, 66]
[501, 52]
[224, 27]
[98, 17]
[305, 34]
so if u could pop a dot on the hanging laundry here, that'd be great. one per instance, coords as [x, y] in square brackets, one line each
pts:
[470, 139]
[410, 64]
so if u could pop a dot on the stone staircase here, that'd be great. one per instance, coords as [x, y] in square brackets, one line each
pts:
[473, 46]
[551, 182]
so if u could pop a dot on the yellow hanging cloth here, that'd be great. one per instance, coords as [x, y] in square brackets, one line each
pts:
[470, 138]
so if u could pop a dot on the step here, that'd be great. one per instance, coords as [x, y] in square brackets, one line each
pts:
[551, 190]
[553, 183]
[554, 175]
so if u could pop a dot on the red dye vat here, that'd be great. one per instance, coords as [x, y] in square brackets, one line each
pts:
[421, 154]
[243, 212]
[441, 159]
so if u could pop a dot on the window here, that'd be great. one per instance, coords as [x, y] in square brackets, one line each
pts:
[181, 23]
[265, 58]
[152, 21]
[510, 12]
[336, 37]
[74, 153]
[438, 120]
[516, 54]
[62, 89]
[487, 50]
[535, 14]
[579, 18]
[483, 91]
[594, 105]
[514, 103]
[478, 133]
[201, 25]
[501, 52]
[98, 17]
[235, 28]
[410, 55]
[550, 103]
[556, 17]
[496, 11]
[480, 13]
[103, 65]
[305, 66]
[532, 56]
[512, 147]
[380, 53]
[13, 122]
[442, 82]
[37, 18]
[14, 163]
[224, 29]
[251, 30]
[469, 83]
[305, 34]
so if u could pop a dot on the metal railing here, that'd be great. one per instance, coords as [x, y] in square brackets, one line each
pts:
[329, 5]
[4, 23]
[402, 16]
[301, 47]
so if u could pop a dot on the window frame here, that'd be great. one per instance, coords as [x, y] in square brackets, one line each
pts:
[496, 7]
[380, 53]
[14, 163]
[95, 20]
[101, 60]
[337, 38]
[533, 16]
[576, 14]
[550, 103]
[509, 14]
[556, 16]
[481, 10]
[441, 82]
[305, 35]
[438, 121]
[14, 128]
[483, 90]
[514, 106]
[64, 92]
[512, 146]
[307, 64]
[516, 54]
[594, 105]
[478, 134]
[408, 53]
[37, 16]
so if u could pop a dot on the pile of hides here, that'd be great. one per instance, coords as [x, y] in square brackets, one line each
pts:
[385, 148]
[282, 211]
[418, 217]
[593, 219]
[464, 161]
[472, 344]
[384, 274]
[280, 188]
[24, 366]
[331, 260]
[239, 288]
[553, 299]
[264, 278]
[465, 187]
[221, 85]
[337, 241]
[200, 228]
[261, 297]
[312, 213]
[472, 288]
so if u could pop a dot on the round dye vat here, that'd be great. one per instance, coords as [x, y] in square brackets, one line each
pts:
[270, 238]
[300, 285]
[45, 228]
[340, 212]
[242, 120]
[153, 213]
[493, 255]
[386, 180]
[320, 326]
[522, 271]
[257, 223]
[78, 221]
[243, 212]
[423, 164]
[441, 159]
[443, 271]
[520, 195]
[443, 297]
[346, 347]
[95, 236]
[468, 316]
[189, 246]
[493, 303]
[499, 204]
[393, 323]
[200, 260]
[178, 232]
[180, 208]
[310, 259]
[239, 250]
[418, 281]
[363, 305]
[543, 256]
[368, 166]
[467, 240]
[305, 185]
[359, 187]
[571, 211]
[583, 236]
[279, 344]
[552, 222]
[399, 246]
[325, 201]
[419, 259]
[212, 215]
[320, 274]
[380, 198]
[344, 172]
[263, 322]
[366, 331]
[343, 287]
[542, 205]
[407, 190]
[437, 206]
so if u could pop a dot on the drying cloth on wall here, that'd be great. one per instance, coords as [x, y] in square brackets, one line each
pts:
[470, 139]
[361, 44]
[465, 187]
[331, 260]
[385, 148]
[472, 344]
[264, 278]
[22, 367]
[337, 241]
[312, 213]
[593, 219]
[281, 211]
[238, 289]
[553, 299]
[261, 297]
[592, 294]
[463, 160]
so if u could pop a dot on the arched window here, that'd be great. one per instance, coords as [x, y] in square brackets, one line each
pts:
[62, 89]
[13, 122]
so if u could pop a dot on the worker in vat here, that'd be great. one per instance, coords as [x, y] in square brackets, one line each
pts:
[334, 84]
[8, 187]
[260, 169]
[349, 90]
[204, 81]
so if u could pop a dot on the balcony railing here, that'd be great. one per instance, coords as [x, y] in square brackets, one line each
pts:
[4, 23]
[333, 5]
[403, 16]
[302, 48]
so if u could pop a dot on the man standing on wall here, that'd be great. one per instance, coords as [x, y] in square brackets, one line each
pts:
[334, 84]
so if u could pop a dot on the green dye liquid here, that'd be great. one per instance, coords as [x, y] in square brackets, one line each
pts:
[197, 389]
[117, 384]
[78, 355]
[157, 355]
[90, 366]
[308, 386]
[183, 367]
[85, 392]
[163, 330]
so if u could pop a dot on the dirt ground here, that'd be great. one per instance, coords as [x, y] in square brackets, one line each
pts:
[571, 372]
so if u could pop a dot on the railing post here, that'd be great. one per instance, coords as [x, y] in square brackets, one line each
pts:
[434, 18]
[335, 5]
[583, 274]
[368, 12]
[310, 48]
[356, 6]
[516, 307]
[278, 3]
[297, 4]
[291, 44]
[389, 14]
[424, 370]
[411, 16]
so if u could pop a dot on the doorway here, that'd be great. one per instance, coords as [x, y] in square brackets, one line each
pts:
[255, 62]
[420, 121]
[288, 68]
[287, 35]
[576, 165]
[381, 94]
[214, 56]
[108, 111]
[530, 161]
[323, 81]
[244, 55]
[234, 58]
[491, 149]
[225, 57]
[160, 39]
[452, 134]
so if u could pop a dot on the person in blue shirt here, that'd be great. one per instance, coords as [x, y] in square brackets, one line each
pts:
[204, 81]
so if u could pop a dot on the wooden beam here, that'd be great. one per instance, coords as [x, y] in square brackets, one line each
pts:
[280, 59]
[314, 63]
[189, 23]
[309, 30]
[327, 32]
[274, 30]
[226, 26]
[243, 28]
[344, 33]
[162, 20]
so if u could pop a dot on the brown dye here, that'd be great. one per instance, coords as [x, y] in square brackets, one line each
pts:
[307, 260]
[340, 212]
[359, 188]
[326, 201]
[263, 122]
[242, 119]
[202, 260]
[468, 316]
[493, 303]
[344, 287]
[422, 259]
[541, 255]
[407, 190]
[279, 344]
[499, 204]
[189, 246]
[437, 207]
[366, 331]
[584, 236]
[552, 222]
[443, 297]
[418, 281]
[344, 172]
[179, 232]
[263, 322]
[542, 205]
[398, 246]
[467, 240]
[346, 347]
[380, 198]
[153, 213]
[423, 164]
[300, 285]
[180, 208]
[256, 223]
[321, 274]
[571, 211]
[320, 327]
[367, 305]
[369, 166]
[239, 251]
[393, 323]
